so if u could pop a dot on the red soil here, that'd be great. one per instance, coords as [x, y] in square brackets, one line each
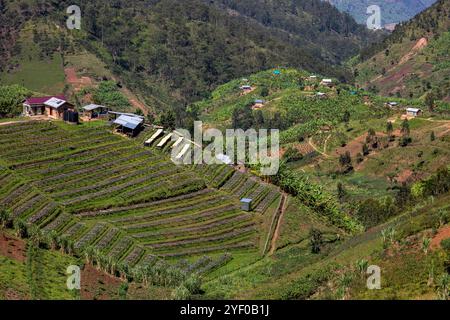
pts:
[405, 176]
[442, 234]
[97, 285]
[77, 83]
[12, 248]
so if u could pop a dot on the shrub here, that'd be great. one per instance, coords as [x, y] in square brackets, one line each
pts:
[292, 154]
[11, 98]
[445, 244]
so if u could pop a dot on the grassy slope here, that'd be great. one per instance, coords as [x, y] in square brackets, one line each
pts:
[42, 75]
[414, 59]
[295, 273]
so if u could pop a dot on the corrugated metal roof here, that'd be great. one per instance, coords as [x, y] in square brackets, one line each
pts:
[92, 106]
[246, 200]
[41, 100]
[55, 102]
[128, 122]
[413, 110]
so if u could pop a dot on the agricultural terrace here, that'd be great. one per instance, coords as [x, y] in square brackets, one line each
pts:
[132, 204]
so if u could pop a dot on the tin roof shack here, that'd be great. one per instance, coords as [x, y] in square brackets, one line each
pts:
[413, 112]
[94, 112]
[129, 125]
[246, 204]
[327, 82]
[258, 104]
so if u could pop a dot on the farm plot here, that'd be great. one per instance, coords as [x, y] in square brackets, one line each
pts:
[132, 204]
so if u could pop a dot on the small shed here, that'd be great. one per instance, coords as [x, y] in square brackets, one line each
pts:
[393, 103]
[327, 82]
[95, 111]
[246, 204]
[258, 103]
[413, 112]
[130, 125]
[56, 107]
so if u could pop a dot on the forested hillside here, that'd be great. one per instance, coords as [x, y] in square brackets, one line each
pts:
[413, 60]
[392, 11]
[177, 51]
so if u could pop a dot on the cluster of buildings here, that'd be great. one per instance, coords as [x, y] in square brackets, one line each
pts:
[57, 107]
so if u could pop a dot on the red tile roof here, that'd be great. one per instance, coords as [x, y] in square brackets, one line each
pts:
[41, 100]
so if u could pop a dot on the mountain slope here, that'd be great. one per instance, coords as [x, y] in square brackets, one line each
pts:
[413, 60]
[177, 51]
[392, 11]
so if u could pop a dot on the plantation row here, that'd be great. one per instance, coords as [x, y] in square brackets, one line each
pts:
[105, 193]
[225, 178]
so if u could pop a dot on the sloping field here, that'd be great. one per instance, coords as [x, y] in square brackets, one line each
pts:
[102, 191]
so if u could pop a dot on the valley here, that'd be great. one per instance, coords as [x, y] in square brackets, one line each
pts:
[96, 172]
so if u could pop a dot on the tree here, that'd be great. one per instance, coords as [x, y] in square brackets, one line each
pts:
[167, 120]
[429, 101]
[259, 119]
[21, 228]
[345, 160]
[365, 149]
[346, 117]
[315, 240]
[264, 91]
[242, 118]
[11, 98]
[292, 154]
[432, 136]
[139, 112]
[5, 218]
[389, 129]
[341, 192]
[405, 128]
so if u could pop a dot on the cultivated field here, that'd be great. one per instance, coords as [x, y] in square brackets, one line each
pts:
[107, 193]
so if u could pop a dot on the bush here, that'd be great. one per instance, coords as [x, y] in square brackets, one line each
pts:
[445, 244]
[11, 98]
[292, 154]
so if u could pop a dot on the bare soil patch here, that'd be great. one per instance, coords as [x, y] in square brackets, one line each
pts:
[77, 83]
[97, 285]
[442, 234]
[12, 247]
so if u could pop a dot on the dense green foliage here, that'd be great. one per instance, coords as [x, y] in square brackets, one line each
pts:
[11, 98]
[315, 197]
[108, 94]
[391, 11]
[174, 52]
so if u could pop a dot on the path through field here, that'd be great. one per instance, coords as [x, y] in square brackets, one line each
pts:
[280, 214]
[316, 148]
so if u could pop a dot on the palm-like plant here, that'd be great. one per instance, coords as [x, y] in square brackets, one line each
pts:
[89, 254]
[426, 245]
[21, 228]
[5, 218]
[362, 265]
[444, 287]
[52, 239]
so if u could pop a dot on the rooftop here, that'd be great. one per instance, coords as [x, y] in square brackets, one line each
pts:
[92, 106]
[42, 100]
[128, 121]
[55, 102]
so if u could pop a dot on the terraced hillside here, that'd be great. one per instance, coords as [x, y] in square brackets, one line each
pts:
[103, 192]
